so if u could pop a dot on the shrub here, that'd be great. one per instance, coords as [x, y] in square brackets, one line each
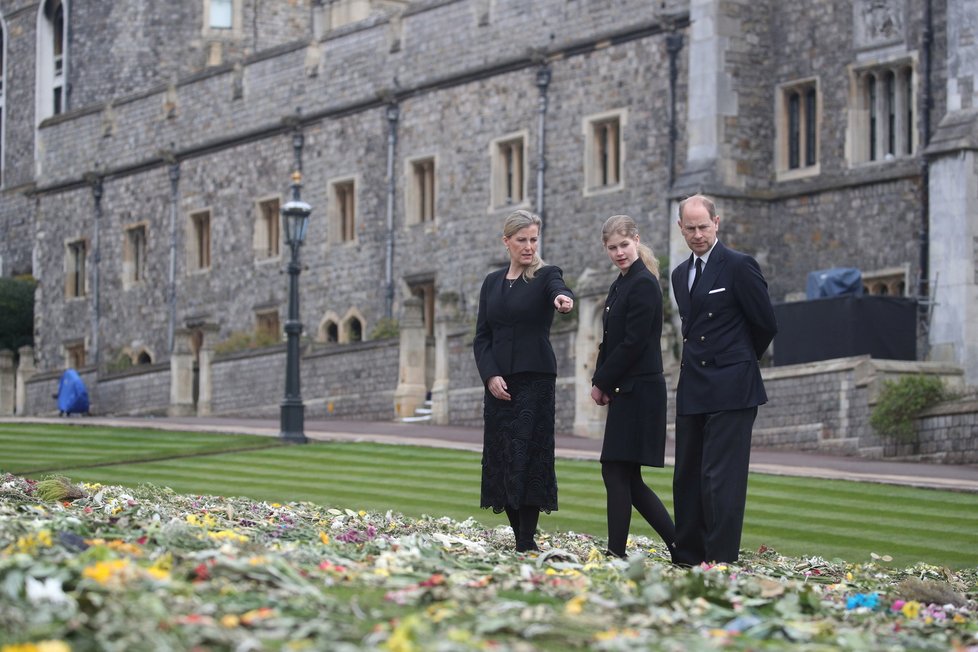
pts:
[385, 329]
[118, 362]
[246, 340]
[16, 312]
[901, 401]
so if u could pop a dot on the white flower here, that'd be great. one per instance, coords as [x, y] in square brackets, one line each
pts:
[47, 591]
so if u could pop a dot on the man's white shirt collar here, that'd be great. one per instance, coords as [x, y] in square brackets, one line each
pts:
[705, 258]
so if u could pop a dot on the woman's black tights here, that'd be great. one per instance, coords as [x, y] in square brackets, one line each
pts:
[623, 482]
[524, 523]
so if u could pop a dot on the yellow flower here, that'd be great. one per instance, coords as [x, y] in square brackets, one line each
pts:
[575, 605]
[30, 543]
[607, 635]
[276, 505]
[362, 513]
[165, 562]
[402, 638]
[911, 609]
[158, 573]
[257, 560]
[125, 548]
[458, 635]
[324, 538]
[594, 555]
[849, 577]
[438, 613]
[230, 621]
[227, 535]
[959, 619]
[40, 646]
[105, 571]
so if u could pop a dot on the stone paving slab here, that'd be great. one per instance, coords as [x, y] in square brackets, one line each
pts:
[776, 462]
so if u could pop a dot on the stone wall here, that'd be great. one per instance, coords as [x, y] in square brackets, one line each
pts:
[142, 390]
[825, 407]
[820, 407]
[947, 433]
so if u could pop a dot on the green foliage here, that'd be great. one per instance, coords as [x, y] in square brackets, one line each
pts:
[901, 401]
[385, 329]
[16, 312]
[246, 340]
[118, 362]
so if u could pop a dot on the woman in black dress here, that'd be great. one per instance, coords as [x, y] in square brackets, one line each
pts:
[628, 379]
[519, 369]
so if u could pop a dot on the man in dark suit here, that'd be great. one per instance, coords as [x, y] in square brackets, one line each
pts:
[727, 324]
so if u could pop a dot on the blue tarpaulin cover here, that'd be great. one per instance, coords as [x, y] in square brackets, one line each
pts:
[834, 282]
[72, 394]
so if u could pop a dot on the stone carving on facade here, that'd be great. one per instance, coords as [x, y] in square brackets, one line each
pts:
[878, 22]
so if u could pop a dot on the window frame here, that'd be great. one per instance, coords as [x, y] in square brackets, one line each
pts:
[421, 189]
[601, 178]
[196, 254]
[883, 116]
[797, 128]
[342, 224]
[75, 353]
[500, 194]
[268, 226]
[51, 67]
[134, 266]
[269, 321]
[76, 268]
[233, 30]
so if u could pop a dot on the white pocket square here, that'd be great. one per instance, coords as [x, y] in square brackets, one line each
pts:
[717, 290]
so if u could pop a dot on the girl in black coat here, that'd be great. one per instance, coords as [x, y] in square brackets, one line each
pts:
[628, 379]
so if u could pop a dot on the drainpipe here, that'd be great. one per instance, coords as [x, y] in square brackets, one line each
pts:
[543, 81]
[674, 45]
[97, 257]
[171, 289]
[393, 113]
[923, 290]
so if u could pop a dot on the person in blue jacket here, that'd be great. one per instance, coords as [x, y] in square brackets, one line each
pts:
[519, 370]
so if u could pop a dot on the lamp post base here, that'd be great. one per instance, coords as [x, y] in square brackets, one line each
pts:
[292, 422]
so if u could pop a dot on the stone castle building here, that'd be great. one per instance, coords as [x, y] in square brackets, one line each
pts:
[146, 150]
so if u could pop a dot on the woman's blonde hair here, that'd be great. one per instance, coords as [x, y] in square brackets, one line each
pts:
[625, 226]
[517, 221]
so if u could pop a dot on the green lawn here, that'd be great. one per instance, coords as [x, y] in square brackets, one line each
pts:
[796, 516]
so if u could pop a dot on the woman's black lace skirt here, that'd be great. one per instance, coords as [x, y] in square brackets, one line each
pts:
[518, 445]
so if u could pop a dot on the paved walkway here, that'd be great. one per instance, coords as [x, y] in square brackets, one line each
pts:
[917, 474]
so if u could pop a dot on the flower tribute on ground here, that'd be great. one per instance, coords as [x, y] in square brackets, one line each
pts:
[115, 568]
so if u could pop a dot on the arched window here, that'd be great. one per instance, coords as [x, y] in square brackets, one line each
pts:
[332, 332]
[52, 58]
[144, 358]
[354, 330]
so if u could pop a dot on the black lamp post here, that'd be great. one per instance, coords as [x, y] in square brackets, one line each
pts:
[295, 214]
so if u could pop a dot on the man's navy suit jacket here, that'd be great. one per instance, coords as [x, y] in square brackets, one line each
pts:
[727, 324]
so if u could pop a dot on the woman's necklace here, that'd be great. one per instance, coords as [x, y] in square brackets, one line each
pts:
[512, 281]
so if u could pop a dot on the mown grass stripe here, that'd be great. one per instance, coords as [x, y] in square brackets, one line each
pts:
[797, 516]
[864, 512]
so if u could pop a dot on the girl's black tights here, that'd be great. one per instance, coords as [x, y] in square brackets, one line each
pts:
[623, 482]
